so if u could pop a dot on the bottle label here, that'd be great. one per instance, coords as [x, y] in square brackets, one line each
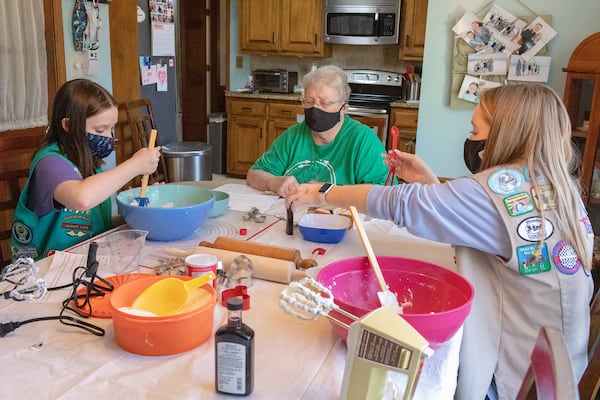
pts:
[231, 368]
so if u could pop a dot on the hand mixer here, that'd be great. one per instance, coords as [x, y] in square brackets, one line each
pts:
[379, 343]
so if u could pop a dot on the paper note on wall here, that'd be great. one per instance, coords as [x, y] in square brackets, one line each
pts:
[162, 82]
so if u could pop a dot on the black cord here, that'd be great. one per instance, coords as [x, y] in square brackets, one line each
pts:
[83, 306]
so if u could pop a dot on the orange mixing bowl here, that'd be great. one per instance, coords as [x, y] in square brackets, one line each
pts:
[159, 336]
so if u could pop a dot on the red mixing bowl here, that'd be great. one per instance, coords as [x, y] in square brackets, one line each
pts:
[435, 299]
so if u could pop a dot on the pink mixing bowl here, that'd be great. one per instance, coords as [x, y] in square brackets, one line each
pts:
[435, 299]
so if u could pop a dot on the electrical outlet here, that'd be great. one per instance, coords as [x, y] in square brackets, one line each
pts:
[239, 62]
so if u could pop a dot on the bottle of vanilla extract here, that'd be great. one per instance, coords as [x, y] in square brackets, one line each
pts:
[234, 353]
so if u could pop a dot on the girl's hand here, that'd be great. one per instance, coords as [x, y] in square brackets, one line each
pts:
[409, 167]
[146, 161]
[306, 193]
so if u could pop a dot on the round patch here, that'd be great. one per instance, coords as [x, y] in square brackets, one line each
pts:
[21, 233]
[530, 229]
[505, 181]
[565, 258]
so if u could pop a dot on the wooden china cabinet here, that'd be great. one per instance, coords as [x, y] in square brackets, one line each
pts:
[582, 100]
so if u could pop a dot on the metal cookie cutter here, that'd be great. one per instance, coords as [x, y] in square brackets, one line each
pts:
[238, 291]
[254, 214]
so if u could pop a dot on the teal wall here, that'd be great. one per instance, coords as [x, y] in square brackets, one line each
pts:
[441, 129]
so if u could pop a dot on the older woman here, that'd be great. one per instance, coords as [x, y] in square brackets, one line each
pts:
[328, 146]
[521, 233]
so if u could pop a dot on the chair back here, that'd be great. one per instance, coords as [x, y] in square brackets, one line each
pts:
[140, 117]
[589, 385]
[549, 369]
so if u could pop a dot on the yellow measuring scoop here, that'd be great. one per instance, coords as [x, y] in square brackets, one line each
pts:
[168, 295]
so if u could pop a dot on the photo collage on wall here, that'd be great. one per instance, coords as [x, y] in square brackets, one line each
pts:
[502, 45]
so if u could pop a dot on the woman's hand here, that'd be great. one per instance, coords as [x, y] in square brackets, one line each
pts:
[409, 167]
[306, 193]
[283, 185]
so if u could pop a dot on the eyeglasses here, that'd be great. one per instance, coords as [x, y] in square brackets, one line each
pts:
[309, 103]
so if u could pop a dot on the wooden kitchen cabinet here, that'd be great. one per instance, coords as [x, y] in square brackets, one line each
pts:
[412, 29]
[284, 27]
[405, 120]
[582, 100]
[252, 125]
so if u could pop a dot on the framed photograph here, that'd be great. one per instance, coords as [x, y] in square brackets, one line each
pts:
[536, 69]
[533, 38]
[487, 64]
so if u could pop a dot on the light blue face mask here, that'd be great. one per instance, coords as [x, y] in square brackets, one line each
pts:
[100, 146]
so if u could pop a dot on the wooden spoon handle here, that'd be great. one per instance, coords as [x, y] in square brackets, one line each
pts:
[370, 253]
[151, 142]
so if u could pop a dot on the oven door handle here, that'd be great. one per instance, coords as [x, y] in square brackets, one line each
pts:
[365, 111]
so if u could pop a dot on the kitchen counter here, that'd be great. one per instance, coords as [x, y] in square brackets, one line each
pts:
[297, 97]
[265, 96]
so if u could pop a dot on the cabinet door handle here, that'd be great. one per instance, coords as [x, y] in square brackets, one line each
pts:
[316, 37]
[286, 112]
[407, 41]
[246, 109]
[260, 133]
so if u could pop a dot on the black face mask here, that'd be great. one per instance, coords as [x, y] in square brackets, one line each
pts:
[321, 121]
[472, 150]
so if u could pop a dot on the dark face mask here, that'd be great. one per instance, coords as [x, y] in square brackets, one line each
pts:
[321, 121]
[101, 146]
[472, 149]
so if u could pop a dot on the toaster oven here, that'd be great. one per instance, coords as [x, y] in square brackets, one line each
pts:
[274, 80]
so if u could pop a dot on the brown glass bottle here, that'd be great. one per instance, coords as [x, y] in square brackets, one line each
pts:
[234, 353]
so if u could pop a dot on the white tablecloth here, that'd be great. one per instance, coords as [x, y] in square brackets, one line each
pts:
[295, 359]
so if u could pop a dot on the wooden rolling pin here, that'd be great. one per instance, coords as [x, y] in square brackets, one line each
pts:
[271, 269]
[259, 249]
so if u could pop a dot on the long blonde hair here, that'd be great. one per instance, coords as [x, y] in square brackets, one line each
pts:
[529, 123]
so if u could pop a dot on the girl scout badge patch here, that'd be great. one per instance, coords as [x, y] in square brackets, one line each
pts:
[530, 229]
[505, 181]
[533, 259]
[518, 204]
[565, 258]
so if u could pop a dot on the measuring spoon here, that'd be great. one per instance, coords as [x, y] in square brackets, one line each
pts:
[168, 295]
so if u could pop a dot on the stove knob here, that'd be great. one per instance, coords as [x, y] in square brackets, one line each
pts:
[388, 78]
[397, 79]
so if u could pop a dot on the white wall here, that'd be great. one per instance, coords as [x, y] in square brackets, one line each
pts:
[441, 129]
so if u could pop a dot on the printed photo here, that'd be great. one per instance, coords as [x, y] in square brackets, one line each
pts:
[472, 30]
[472, 87]
[536, 69]
[502, 23]
[531, 39]
[481, 38]
[487, 64]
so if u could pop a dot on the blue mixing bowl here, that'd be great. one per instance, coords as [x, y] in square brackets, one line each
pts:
[173, 211]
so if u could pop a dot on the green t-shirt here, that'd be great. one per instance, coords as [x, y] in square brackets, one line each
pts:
[353, 157]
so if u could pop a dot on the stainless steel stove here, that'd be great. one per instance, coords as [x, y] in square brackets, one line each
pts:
[372, 93]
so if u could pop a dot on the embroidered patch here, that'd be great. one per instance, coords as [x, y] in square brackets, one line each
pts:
[530, 229]
[588, 226]
[518, 204]
[545, 199]
[565, 258]
[505, 181]
[532, 259]
[21, 233]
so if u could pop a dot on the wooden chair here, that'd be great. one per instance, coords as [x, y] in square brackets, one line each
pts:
[11, 184]
[550, 363]
[589, 385]
[140, 117]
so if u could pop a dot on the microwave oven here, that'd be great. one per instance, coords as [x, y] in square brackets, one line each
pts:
[362, 22]
[274, 80]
